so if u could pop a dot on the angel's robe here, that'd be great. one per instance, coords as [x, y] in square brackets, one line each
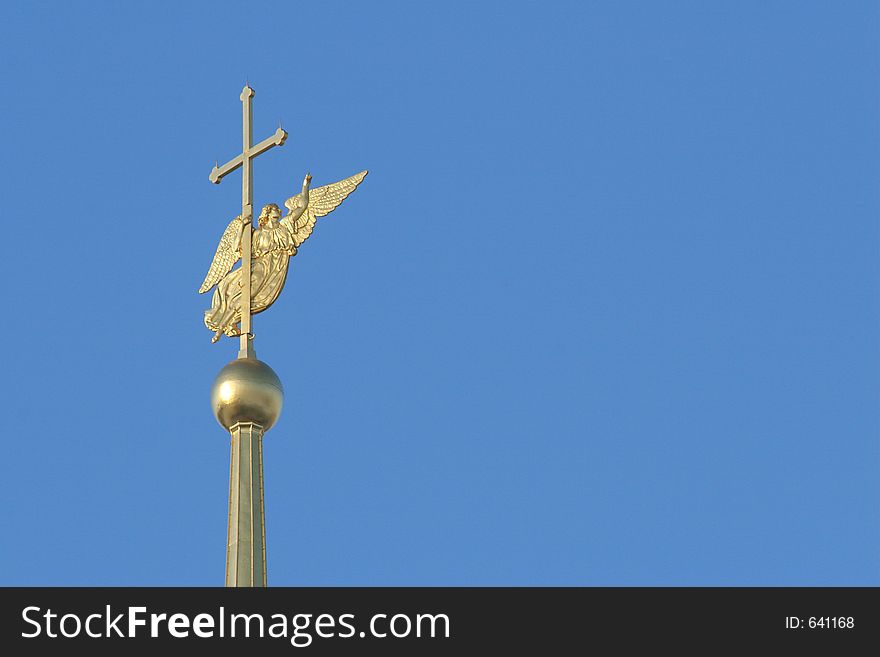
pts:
[271, 247]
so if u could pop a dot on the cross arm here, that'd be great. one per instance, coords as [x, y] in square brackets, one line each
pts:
[217, 173]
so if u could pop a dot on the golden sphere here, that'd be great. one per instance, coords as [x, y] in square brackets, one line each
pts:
[247, 390]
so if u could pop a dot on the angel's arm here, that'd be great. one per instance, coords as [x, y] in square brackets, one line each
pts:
[299, 202]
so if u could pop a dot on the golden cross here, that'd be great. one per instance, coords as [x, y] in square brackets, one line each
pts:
[243, 160]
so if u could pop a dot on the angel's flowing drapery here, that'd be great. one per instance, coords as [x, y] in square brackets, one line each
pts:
[272, 248]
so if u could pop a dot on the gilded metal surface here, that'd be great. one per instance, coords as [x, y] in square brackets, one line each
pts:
[264, 252]
[247, 395]
[272, 245]
[247, 398]
[228, 253]
[243, 160]
[247, 390]
[246, 536]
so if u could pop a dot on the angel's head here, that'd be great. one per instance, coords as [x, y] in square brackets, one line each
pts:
[268, 214]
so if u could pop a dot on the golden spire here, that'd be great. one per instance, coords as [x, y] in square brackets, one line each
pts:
[247, 395]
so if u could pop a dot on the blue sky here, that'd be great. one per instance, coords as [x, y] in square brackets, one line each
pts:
[604, 312]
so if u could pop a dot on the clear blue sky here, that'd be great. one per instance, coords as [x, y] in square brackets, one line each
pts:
[604, 312]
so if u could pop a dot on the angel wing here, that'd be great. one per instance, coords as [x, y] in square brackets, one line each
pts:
[321, 201]
[228, 253]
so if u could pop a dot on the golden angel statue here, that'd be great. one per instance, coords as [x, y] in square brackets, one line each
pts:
[273, 244]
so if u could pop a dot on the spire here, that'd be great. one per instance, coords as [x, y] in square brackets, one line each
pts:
[246, 537]
[247, 397]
